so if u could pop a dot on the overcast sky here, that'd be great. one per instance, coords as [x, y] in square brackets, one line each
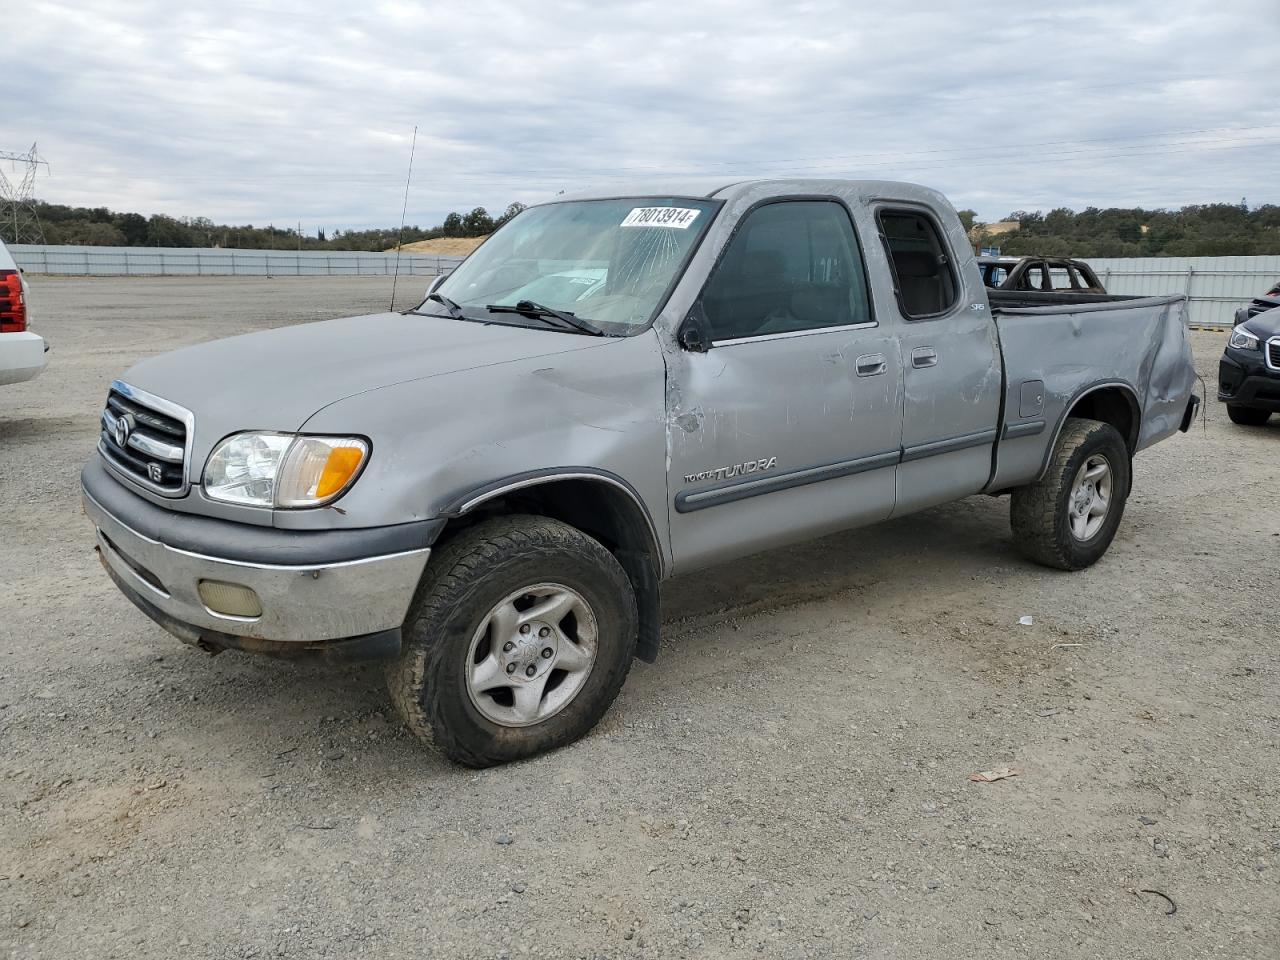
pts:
[279, 112]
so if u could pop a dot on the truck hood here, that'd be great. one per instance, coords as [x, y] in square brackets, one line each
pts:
[276, 379]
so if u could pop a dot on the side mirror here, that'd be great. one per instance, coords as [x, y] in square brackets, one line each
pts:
[695, 332]
[435, 282]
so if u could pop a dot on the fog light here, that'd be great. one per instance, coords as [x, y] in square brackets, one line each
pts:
[229, 599]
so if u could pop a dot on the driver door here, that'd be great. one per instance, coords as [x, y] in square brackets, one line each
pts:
[788, 426]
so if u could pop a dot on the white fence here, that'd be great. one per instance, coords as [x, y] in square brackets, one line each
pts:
[1216, 286]
[210, 262]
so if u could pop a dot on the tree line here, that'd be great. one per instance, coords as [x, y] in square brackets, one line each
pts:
[1202, 230]
[98, 226]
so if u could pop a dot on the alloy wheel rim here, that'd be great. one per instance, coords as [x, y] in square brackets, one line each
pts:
[1090, 498]
[531, 655]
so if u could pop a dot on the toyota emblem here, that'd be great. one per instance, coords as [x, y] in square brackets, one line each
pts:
[123, 427]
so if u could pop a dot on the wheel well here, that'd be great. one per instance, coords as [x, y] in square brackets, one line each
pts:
[604, 512]
[1113, 405]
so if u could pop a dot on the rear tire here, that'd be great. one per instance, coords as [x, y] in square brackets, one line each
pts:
[1247, 416]
[475, 629]
[1068, 519]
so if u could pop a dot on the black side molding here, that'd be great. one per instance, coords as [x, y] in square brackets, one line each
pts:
[950, 445]
[691, 500]
[1029, 428]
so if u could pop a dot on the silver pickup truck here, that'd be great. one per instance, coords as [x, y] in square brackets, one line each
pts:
[615, 388]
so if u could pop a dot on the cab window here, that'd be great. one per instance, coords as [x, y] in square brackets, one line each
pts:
[791, 266]
[922, 270]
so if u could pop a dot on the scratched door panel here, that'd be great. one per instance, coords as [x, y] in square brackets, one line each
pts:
[774, 441]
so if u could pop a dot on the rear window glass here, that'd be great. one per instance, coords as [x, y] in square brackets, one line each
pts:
[922, 270]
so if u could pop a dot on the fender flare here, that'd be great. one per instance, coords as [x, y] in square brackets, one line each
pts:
[645, 576]
[467, 501]
[1125, 388]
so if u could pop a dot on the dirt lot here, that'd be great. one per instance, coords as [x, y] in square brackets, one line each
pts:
[444, 246]
[790, 779]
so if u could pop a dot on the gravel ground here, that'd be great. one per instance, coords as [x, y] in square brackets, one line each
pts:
[790, 779]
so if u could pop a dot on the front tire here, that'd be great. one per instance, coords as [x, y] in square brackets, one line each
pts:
[1247, 416]
[1068, 519]
[517, 642]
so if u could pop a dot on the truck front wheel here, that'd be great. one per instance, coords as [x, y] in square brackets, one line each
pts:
[1069, 518]
[518, 640]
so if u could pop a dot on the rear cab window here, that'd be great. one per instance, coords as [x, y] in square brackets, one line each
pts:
[923, 271]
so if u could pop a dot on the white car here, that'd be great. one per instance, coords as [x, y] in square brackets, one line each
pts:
[22, 353]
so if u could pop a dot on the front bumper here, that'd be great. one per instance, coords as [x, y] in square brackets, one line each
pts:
[1248, 382]
[319, 592]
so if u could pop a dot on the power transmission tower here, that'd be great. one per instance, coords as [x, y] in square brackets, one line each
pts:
[19, 222]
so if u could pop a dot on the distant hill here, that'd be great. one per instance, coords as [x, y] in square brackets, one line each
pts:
[443, 246]
[1207, 230]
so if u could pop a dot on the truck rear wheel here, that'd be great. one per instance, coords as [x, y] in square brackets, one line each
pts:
[520, 637]
[1247, 416]
[1069, 518]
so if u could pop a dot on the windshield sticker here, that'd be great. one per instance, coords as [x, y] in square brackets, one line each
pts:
[677, 217]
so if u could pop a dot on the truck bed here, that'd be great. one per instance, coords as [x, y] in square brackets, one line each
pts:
[1135, 345]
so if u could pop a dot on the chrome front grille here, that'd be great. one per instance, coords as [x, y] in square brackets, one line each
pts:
[147, 440]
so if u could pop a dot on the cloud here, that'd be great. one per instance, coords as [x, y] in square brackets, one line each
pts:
[262, 112]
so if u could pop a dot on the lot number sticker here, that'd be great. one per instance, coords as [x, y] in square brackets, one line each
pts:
[678, 218]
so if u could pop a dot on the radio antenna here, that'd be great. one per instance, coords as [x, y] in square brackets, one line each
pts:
[413, 145]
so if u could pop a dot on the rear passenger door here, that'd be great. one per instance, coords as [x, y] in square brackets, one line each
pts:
[952, 378]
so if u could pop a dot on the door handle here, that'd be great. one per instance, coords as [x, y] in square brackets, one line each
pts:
[871, 365]
[924, 357]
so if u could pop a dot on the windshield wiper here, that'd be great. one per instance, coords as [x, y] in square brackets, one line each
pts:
[455, 311]
[528, 308]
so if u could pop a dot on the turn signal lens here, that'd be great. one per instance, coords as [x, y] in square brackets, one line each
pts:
[283, 470]
[319, 469]
[338, 471]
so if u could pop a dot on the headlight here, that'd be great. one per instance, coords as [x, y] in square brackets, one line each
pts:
[1242, 339]
[282, 469]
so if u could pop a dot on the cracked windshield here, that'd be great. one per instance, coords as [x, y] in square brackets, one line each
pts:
[607, 261]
